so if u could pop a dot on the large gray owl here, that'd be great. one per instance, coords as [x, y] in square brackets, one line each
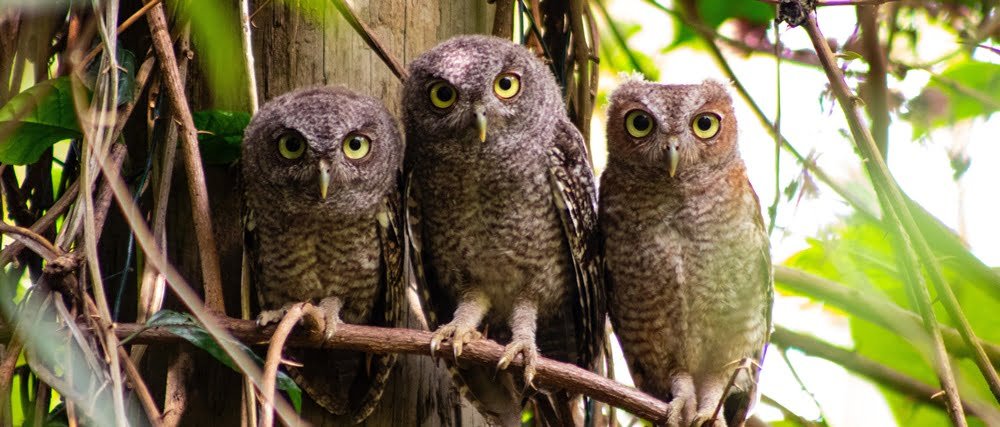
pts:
[503, 214]
[320, 170]
[688, 261]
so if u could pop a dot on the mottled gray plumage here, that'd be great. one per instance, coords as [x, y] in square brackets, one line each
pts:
[688, 260]
[342, 251]
[503, 213]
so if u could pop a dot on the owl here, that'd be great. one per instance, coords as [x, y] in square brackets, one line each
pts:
[688, 261]
[321, 177]
[502, 209]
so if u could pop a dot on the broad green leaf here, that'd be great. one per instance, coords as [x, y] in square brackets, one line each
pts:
[965, 90]
[714, 12]
[220, 134]
[187, 327]
[36, 119]
[859, 254]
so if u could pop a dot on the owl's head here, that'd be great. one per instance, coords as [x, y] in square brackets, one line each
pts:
[671, 131]
[477, 89]
[322, 146]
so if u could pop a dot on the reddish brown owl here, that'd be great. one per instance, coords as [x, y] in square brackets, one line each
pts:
[688, 263]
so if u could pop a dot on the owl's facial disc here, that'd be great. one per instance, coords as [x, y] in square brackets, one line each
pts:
[324, 178]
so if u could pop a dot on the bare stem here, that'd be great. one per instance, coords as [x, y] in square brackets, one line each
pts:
[207, 249]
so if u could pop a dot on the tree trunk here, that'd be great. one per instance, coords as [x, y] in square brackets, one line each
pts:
[292, 50]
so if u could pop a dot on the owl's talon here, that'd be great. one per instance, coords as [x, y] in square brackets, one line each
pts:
[458, 334]
[527, 349]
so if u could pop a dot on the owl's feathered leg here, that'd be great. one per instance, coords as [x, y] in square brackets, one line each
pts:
[462, 328]
[523, 321]
[740, 398]
[683, 402]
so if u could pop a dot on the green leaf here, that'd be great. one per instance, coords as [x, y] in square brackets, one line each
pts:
[220, 134]
[956, 94]
[187, 327]
[859, 254]
[714, 12]
[849, 55]
[36, 119]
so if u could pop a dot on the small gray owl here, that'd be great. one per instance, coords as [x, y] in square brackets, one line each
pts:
[502, 210]
[688, 261]
[321, 176]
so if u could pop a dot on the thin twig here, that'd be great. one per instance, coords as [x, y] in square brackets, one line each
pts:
[248, 60]
[7, 365]
[121, 28]
[179, 285]
[32, 240]
[909, 238]
[370, 339]
[369, 37]
[273, 360]
[871, 307]
[876, 84]
[876, 371]
[201, 213]
[581, 56]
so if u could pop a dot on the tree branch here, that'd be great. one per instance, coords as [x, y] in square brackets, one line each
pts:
[871, 307]
[917, 254]
[876, 371]
[551, 374]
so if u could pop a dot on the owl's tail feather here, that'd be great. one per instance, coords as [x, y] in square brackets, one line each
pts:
[381, 370]
[493, 394]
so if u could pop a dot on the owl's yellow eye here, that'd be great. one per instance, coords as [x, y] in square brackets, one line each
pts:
[507, 85]
[443, 94]
[356, 146]
[705, 125]
[291, 146]
[638, 123]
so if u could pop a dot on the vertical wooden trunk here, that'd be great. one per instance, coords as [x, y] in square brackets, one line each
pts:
[299, 44]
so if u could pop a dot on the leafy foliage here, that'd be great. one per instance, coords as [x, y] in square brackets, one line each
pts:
[35, 119]
[185, 326]
[858, 253]
[220, 134]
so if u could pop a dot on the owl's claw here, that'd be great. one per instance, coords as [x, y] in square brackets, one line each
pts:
[330, 307]
[527, 349]
[459, 335]
[707, 420]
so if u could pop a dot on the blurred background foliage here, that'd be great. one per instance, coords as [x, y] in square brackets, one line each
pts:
[935, 75]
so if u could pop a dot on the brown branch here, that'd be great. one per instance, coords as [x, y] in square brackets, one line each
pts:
[551, 374]
[40, 245]
[839, 2]
[581, 56]
[871, 307]
[908, 232]
[201, 213]
[876, 371]
[876, 85]
[369, 37]
[503, 18]
[7, 365]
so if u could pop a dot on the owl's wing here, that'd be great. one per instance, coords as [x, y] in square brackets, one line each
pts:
[432, 298]
[575, 195]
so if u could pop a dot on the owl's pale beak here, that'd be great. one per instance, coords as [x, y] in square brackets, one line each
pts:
[324, 178]
[673, 156]
[481, 122]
